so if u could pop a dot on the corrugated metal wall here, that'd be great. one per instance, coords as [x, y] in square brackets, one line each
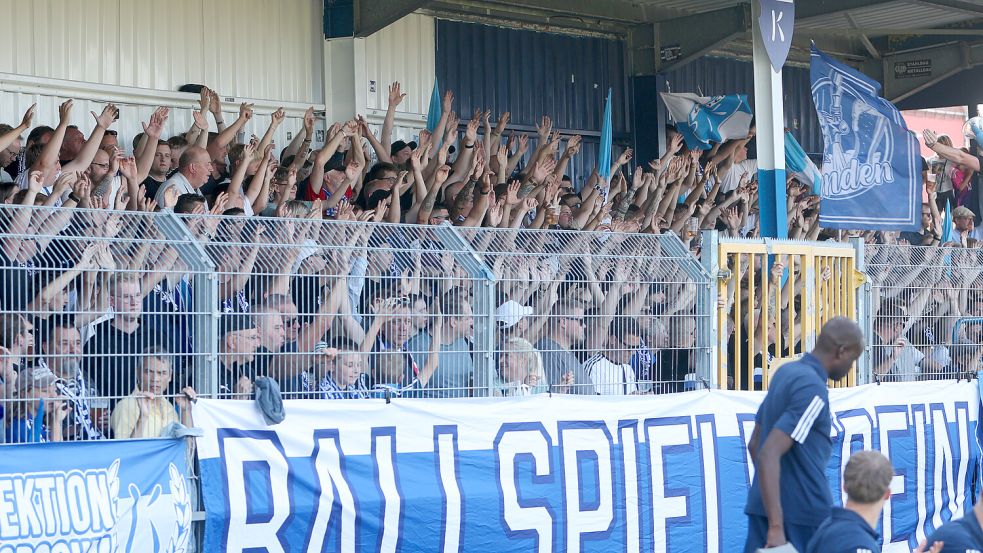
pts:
[715, 76]
[531, 74]
[243, 48]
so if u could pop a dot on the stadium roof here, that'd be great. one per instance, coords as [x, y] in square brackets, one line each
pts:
[882, 37]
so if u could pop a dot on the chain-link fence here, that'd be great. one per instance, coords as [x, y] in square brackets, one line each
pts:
[927, 304]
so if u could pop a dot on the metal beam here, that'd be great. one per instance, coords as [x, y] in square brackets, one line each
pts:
[372, 16]
[882, 31]
[819, 8]
[962, 6]
[911, 72]
[694, 35]
[863, 38]
[621, 12]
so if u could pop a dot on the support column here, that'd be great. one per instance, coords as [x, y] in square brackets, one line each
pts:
[344, 71]
[770, 120]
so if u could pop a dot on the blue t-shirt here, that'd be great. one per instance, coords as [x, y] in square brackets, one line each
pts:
[798, 405]
[844, 532]
[960, 536]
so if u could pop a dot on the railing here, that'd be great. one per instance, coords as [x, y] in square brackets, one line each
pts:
[926, 309]
[610, 313]
[116, 314]
[119, 315]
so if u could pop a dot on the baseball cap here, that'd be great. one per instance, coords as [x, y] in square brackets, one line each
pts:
[510, 313]
[37, 377]
[399, 145]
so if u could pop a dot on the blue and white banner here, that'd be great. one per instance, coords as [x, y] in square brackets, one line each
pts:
[562, 473]
[702, 121]
[871, 163]
[95, 497]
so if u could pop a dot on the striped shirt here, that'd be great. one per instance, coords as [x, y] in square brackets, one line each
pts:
[77, 392]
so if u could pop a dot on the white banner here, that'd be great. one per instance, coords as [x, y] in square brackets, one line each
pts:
[561, 473]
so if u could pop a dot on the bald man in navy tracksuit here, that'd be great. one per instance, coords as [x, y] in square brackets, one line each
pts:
[791, 446]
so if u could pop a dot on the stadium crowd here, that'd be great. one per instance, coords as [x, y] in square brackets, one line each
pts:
[327, 285]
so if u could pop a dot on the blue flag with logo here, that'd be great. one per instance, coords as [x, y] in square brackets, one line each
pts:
[121, 495]
[871, 164]
[433, 116]
[702, 120]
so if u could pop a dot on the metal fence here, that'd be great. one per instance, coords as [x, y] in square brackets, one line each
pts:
[925, 311]
[610, 314]
[112, 321]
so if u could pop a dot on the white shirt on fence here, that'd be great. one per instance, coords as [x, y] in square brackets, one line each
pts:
[610, 378]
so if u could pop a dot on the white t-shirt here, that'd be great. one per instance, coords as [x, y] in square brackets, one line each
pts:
[732, 177]
[178, 182]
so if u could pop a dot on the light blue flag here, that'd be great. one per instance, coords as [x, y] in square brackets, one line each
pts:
[871, 161]
[604, 157]
[702, 121]
[947, 224]
[799, 164]
[433, 116]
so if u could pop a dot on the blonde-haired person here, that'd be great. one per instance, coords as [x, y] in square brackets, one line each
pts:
[520, 369]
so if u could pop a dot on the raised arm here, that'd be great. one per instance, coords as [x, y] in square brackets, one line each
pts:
[325, 153]
[299, 145]
[49, 154]
[952, 154]
[381, 151]
[81, 162]
[11, 136]
[276, 118]
[395, 98]
[228, 134]
[151, 136]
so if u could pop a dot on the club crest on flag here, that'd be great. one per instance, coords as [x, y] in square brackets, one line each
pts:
[870, 176]
[705, 120]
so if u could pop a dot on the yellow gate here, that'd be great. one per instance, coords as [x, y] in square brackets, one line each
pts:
[774, 297]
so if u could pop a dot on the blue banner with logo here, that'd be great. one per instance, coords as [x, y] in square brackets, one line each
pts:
[560, 473]
[98, 496]
[871, 162]
[703, 121]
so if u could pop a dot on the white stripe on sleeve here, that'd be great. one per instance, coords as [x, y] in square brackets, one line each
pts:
[808, 417]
